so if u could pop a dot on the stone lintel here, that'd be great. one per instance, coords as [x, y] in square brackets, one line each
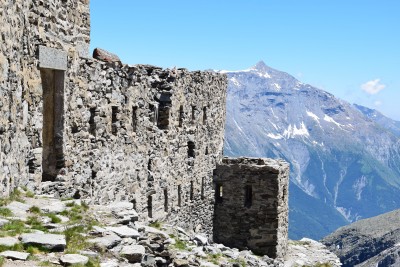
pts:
[51, 58]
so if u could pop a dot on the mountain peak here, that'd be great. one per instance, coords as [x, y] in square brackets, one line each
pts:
[261, 66]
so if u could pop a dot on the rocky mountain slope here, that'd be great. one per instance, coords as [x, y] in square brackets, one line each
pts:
[45, 231]
[376, 116]
[369, 242]
[344, 165]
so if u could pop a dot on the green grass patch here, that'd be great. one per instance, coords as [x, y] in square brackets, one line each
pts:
[181, 245]
[214, 258]
[16, 195]
[54, 218]
[12, 228]
[35, 223]
[5, 212]
[16, 247]
[156, 224]
[29, 194]
[36, 249]
[75, 240]
[2, 261]
[35, 209]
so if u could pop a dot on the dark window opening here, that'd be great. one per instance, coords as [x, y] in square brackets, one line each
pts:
[74, 128]
[204, 115]
[191, 190]
[149, 164]
[134, 118]
[164, 106]
[53, 123]
[179, 196]
[92, 123]
[193, 114]
[218, 193]
[248, 197]
[191, 147]
[32, 165]
[152, 113]
[150, 206]
[114, 120]
[163, 117]
[202, 188]
[165, 200]
[206, 150]
[181, 116]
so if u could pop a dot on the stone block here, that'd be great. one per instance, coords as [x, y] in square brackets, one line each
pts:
[105, 56]
[51, 58]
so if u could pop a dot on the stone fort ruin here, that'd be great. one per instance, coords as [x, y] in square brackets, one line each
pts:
[75, 126]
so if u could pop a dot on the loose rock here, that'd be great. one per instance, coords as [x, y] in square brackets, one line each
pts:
[50, 241]
[70, 259]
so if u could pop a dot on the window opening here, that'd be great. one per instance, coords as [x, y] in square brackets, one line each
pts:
[181, 116]
[204, 115]
[193, 113]
[202, 188]
[92, 123]
[150, 206]
[248, 199]
[114, 120]
[134, 118]
[218, 193]
[165, 200]
[191, 147]
[191, 190]
[179, 196]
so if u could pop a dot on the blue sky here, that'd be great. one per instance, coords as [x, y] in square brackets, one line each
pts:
[348, 48]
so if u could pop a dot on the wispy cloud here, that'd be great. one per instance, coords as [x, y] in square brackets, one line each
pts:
[373, 87]
[378, 103]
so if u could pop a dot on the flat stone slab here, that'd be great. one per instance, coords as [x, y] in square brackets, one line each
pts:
[124, 231]
[120, 206]
[8, 241]
[107, 241]
[70, 259]
[50, 241]
[19, 209]
[15, 255]
[48, 204]
[133, 253]
[51, 58]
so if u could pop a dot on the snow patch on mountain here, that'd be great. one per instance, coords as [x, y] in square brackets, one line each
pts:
[293, 131]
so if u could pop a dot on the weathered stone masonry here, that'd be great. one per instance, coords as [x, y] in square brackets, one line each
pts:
[104, 131]
[251, 209]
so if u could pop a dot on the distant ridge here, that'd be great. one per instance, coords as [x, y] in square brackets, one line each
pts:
[345, 165]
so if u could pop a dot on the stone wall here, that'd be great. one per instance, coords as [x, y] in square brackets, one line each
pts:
[78, 127]
[24, 25]
[251, 205]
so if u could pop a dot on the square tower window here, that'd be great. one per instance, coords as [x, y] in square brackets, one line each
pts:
[248, 196]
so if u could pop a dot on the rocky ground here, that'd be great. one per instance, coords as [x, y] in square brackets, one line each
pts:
[44, 231]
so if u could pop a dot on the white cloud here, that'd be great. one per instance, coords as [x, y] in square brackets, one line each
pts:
[373, 87]
[378, 103]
